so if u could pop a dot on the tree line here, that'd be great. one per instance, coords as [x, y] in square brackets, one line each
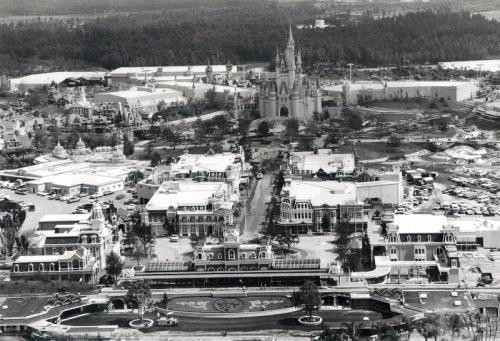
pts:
[243, 32]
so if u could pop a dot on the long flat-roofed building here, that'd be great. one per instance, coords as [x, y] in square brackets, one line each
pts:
[351, 93]
[145, 98]
[130, 74]
[192, 208]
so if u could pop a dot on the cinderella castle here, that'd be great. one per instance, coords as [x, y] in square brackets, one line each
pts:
[289, 93]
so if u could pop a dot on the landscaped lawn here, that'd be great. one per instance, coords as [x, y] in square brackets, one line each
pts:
[241, 304]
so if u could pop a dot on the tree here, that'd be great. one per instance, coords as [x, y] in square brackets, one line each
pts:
[394, 141]
[139, 296]
[309, 297]
[128, 147]
[23, 244]
[114, 265]
[342, 242]
[263, 128]
[129, 237]
[243, 125]
[325, 222]
[429, 327]
[352, 120]
[155, 159]
[144, 233]
[287, 238]
[292, 127]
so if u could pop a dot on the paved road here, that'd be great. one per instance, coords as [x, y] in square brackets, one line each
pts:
[256, 211]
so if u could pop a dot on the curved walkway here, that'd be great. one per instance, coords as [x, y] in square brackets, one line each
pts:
[274, 312]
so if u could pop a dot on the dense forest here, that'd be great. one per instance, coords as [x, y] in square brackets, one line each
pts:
[244, 32]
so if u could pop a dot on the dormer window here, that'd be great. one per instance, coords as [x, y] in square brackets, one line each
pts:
[393, 238]
[16, 267]
[243, 256]
[263, 254]
[408, 239]
[30, 267]
[210, 256]
[230, 254]
[219, 256]
[40, 267]
[419, 239]
[429, 239]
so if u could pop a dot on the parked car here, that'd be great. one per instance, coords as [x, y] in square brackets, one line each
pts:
[174, 238]
[120, 196]
[73, 199]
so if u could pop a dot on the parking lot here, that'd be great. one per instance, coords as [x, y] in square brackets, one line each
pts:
[44, 206]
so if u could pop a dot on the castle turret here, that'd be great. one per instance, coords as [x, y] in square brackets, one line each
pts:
[299, 62]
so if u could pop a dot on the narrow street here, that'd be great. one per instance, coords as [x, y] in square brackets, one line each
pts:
[255, 213]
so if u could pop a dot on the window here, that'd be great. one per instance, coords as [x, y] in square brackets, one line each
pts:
[448, 238]
[393, 254]
[419, 239]
[40, 267]
[16, 267]
[263, 254]
[453, 263]
[219, 256]
[30, 267]
[429, 239]
[408, 239]
[210, 256]
[230, 254]
[243, 256]
[252, 256]
[393, 238]
[51, 267]
[439, 251]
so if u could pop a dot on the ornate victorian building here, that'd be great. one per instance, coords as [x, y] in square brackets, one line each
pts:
[289, 93]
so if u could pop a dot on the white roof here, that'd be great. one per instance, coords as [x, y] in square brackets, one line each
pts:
[492, 65]
[193, 119]
[330, 163]
[420, 223]
[77, 179]
[204, 86]
[45, 258]
[57, 77]
[184, 193]
[322, 192]
[169, 69]
[64, 217]
[203, 162]
[405, 84]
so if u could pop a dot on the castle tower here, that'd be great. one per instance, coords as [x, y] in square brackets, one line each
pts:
[299, 62]
[290, 58]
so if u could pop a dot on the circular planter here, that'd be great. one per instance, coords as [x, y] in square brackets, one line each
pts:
[310, 321]
[138, 324]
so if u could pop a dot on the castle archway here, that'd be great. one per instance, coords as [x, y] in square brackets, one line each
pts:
[284, 112]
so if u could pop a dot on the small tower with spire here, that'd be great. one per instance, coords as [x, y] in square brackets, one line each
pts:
[208, 72]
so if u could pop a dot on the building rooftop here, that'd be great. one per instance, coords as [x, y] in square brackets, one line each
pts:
[329, 162]
[491, 65]
[420, 223]
[204, 162]
[323, 192]
[70, 180]
[169, 69]
[50, 218]
[171, 195]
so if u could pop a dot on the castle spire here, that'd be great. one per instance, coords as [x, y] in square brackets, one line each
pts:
[290, 35]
